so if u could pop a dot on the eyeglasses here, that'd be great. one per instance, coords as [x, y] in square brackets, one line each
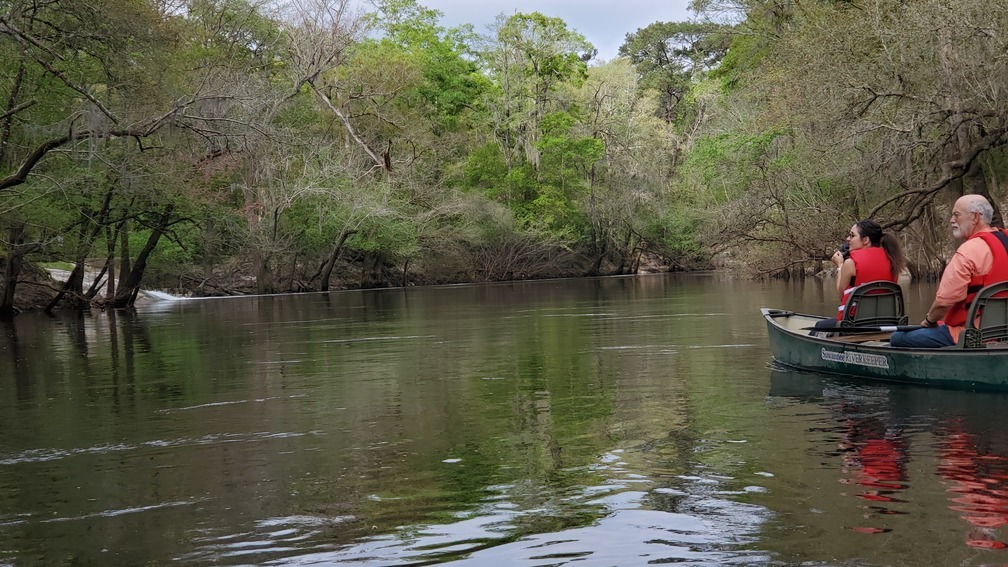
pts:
[957, 214]
[851, 235]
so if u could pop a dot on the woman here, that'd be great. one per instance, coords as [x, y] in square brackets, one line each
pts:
[874, 256]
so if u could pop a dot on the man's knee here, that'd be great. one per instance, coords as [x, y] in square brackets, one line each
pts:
[936, 337]
[902, 339]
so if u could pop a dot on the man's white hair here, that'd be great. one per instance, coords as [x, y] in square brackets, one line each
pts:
[979, 204]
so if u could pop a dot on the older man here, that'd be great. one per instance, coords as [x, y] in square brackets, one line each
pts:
[981, 260]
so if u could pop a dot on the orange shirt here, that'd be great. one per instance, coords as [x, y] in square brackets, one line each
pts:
[972, 258]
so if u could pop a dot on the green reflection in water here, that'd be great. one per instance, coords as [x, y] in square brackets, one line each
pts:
[625, 411]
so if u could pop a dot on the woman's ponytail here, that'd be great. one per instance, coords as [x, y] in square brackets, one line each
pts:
[894, 251]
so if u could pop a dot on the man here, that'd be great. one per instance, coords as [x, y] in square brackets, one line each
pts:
[981, 260]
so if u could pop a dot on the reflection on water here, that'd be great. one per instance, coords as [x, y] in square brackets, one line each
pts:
[874, 458]
[977, 480]
[528, 422]
[911, 459]
[611, 524]
[611, 421]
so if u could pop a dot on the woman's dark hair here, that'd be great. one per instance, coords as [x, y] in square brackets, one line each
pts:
[894, 251]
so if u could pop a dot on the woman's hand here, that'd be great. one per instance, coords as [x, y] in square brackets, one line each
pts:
[837, 259]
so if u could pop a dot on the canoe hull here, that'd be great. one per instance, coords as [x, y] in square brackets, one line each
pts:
[948, 367]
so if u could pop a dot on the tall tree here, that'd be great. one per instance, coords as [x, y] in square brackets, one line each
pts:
[846, 111]
[671, 57]
[628, 204]
[531, 59]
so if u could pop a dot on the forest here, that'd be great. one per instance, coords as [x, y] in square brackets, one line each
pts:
[226, 147]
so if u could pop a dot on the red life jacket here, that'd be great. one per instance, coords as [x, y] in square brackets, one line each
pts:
[998, 243]
[870, 264]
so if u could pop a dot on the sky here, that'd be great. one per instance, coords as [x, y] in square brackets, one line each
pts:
[604, 23]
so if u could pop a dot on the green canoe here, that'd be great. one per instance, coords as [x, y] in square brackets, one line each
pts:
[870, 356]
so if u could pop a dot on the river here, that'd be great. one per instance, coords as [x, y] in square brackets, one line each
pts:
[609, 421]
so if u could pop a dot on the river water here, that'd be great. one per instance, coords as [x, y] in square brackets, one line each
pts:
[611, 421]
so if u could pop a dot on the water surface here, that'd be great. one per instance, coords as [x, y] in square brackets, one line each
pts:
[611, 421]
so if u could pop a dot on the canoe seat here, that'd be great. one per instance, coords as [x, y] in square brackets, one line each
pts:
[874, 304]
[987, 320]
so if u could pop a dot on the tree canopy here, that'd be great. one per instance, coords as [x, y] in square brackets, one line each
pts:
[228, 146]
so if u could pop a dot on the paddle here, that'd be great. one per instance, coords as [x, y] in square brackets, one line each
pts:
[882, 329]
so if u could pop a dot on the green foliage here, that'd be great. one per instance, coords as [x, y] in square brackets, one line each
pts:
[173, 253]
[677, 228]
[830, 112]
[671, 57]
[553, 211]
[741, 63]
[486, 170]
[547, 48]
[432, 147]
[725, 164]
[522, 184]
[565, 163]
[228, 31]
[451, 82]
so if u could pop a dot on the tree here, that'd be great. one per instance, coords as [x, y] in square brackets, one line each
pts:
[670, 57]
[861, 111]
[628, 203]
[530, 60]
[88, 72]
[92, 78]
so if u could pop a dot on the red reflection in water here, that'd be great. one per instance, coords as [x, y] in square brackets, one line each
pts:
[875, 458]
[978, 483]
[882, 463]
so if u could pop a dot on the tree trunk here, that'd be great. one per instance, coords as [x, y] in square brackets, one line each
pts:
[125, 264]
[126, 294]
[108, 267]
[264, 275]
[369, 271]
[208, 231]
[91, 225]
[111, 238]
[74, 285]
[92, 291]
[993, 186]
[11, 110]
[12, 269]
[331, 262]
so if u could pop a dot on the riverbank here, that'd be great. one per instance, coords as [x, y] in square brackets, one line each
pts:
[38, 285]
[37, 288]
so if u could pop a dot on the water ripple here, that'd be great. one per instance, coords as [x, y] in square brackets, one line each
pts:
[227, 403]
[606, 524]
[120, 512]
[42, 455]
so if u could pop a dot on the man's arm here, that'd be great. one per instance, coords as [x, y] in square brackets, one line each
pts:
[973, 257]
[935, 313]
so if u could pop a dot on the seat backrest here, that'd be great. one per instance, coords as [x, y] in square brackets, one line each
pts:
[987, 320]
[874, 304]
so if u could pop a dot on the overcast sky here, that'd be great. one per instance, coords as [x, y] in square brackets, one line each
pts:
[605, 23]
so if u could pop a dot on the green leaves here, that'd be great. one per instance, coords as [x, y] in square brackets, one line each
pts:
[292, 135]
[671, 57]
